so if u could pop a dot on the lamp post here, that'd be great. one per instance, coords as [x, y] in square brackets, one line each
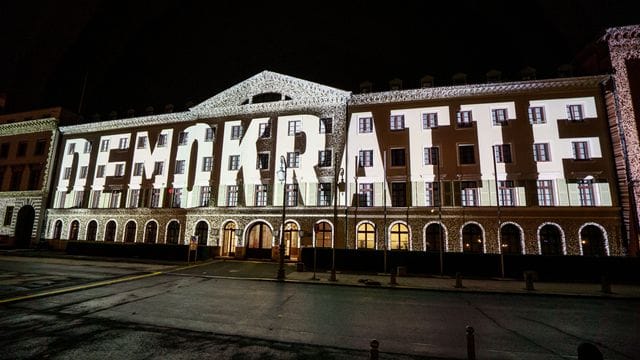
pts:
[335, 223]
[282, 176]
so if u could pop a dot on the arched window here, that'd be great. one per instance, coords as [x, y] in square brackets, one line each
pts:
[592, 241]
[130, 232]
[202, 232]
[399, 239]
[434, 236]
[291, 236]
[73, 230]
[150, 232]
[92, 230]
[510, 239]
[229, 239]
[57, 229]
[472, 239]
[323, 234]
[173, 232]
[110, 231]
[550, 240]
[260, 236]
[366, 236]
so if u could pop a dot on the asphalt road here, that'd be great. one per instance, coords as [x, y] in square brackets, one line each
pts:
[187, 315]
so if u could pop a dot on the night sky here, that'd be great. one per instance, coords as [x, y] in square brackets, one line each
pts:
[169, 51]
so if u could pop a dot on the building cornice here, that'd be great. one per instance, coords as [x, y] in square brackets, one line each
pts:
[622, 36]
[31, 126]
[472, 90]
[128, 123]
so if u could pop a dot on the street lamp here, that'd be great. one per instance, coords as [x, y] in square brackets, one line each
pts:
[282, 176]
[335, 223]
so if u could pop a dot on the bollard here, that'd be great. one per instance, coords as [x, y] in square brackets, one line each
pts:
[392, 280]
[373, 353]
[459, 280]
[471, 344]
[605, 285]
[528, 280]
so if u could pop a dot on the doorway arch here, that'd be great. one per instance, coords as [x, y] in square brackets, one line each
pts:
[472, 239]
[593, 241]
[550, 237]
[259, 240]
[229, 239]
[511, 239]
[24, 226]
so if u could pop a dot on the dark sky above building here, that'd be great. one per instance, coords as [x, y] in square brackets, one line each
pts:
[135, 54]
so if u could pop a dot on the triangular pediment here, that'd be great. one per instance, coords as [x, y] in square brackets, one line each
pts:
[269, 86]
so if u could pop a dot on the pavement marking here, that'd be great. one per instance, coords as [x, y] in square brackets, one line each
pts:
[79, 287]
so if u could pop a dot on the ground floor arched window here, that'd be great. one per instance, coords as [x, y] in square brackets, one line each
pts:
[151, 232]
[366, 236]
[173, 232]
[130, 232]
[74, 229]
[510, 239]
[110, 231]
[323, 234]
[92, 230]
[399, 237]
[592, 241]
[550, 240]
[57, 229]
[260, 236]
[228, 238]
[434, 237]
[472, 239]
[202, 232]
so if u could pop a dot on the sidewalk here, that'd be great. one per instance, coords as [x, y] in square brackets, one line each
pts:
[266, 270]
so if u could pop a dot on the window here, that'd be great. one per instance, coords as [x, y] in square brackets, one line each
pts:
[16, 178]
[162, 140]
[324, 194]
[432, 194]
[234, 162]
[322, 234]
[100, 171]
[114, 202]
[575, 112]
[365, 158]
[398, 194]
[399, 239]
[431, 156]
[22, 149]
[158, 166]
[580, 150]
[138, 168]
[173, 232]
[209, 134]
[35, 172]
[232, 195]
[292, 194]
[585, 189]
[4, 150]
[536, 115]
[429, 120]
[134, 198]
[142, 142]
[541, 152]
[324, 158]
[183, 138]
[469, 193]
[466, 154]
[78, 198]
[365, 195]
[8, 216]
[326, 125]
[261, 195]
[262, 162]
[155, 198]
[293, 159]
[506, 193]
[104, 145]
[83, 172]
[180, 166]
[119, 170]
[396, 122]
[464, 119]
[123, 144]
[366, 236]
[41, 147]
[67, 173]
[545, 193]
[95, 198]
[499, 117]
[207, 163]
[176, 198]
[236, 132]
[264, 131]
[365, 125]
[502, 153]
[71, 149]
[397, 157]
[295, 127]
[205, 195]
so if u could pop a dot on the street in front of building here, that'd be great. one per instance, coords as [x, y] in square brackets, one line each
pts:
[195, 312]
